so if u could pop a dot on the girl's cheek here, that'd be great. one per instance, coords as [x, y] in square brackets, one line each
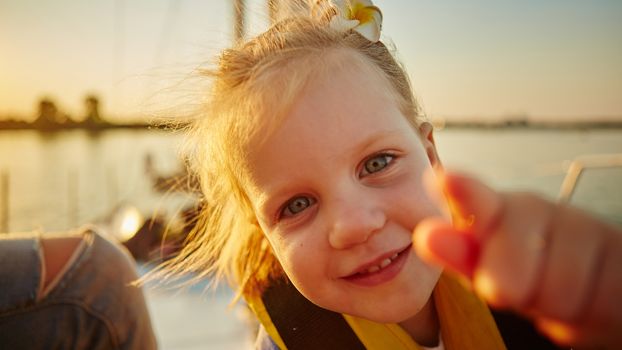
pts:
[433, 190]
[287, 252]
[278, 245]
[425, 196]
[415, 204]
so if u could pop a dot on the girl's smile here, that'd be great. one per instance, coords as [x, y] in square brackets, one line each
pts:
[337, 190]
[380, 270]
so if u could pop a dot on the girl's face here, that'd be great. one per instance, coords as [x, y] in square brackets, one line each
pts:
[337, 189]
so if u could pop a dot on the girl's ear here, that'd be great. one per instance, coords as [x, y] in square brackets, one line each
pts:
[426, 130]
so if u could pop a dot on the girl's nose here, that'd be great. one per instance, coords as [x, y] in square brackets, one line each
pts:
[354, 221]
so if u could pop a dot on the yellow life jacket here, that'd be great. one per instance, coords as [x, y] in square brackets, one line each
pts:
[295, 323]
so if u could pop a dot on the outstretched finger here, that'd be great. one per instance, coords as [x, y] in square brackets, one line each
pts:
[507, 231]
[438, 242]
[475, 207]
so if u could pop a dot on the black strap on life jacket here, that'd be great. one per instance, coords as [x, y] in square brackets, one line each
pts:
[303, 325]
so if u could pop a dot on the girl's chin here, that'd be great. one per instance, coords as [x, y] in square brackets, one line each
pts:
[390, 314]
[399, 309]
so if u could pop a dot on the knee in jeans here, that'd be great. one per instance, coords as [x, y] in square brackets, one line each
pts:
[57, 255]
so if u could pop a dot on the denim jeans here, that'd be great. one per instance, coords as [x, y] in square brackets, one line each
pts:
[92, 305]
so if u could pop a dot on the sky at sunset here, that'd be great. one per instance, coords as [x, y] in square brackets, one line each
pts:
[467, 59]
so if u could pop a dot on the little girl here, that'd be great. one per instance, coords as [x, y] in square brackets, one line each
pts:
[312, 156]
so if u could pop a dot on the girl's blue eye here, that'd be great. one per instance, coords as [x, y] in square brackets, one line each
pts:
[296, 205]
[376, 163]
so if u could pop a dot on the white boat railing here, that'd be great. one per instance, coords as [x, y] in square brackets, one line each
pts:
[578, 166]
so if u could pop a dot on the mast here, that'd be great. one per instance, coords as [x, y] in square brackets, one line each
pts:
[239, 25]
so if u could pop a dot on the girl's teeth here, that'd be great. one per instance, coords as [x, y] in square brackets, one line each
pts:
[373, 269]
[384, 263]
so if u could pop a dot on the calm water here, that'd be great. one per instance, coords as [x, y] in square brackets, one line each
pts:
[60, 180]
[536, 160]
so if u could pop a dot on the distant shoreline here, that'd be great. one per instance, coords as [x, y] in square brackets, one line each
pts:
[523, 124]
[452, 124]
[13, 125]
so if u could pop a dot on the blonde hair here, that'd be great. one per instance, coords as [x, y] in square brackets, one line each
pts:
[254, 84]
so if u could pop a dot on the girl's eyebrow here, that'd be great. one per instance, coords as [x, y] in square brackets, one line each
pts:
[376, 137]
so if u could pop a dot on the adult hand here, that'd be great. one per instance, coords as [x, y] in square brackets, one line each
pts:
[552, 263]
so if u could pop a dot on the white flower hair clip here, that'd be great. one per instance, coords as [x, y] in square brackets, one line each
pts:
[358, 15]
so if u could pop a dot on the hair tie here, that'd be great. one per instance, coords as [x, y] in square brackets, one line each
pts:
[358, 15]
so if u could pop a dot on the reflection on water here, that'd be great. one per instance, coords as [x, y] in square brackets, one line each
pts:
[63, 179]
